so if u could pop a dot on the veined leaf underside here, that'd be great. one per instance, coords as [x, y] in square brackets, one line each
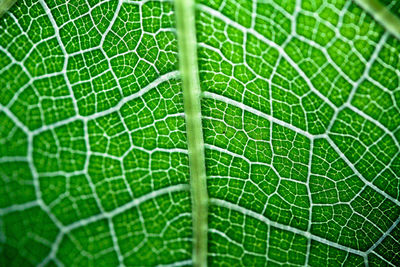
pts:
[300, 115]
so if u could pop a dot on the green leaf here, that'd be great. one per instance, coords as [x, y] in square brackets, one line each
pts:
[100, 150]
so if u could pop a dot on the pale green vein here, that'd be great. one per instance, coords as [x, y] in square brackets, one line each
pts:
[5, 6]
[383, 15]
[185, 17]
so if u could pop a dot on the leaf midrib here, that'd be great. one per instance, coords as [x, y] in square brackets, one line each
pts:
[187, 50]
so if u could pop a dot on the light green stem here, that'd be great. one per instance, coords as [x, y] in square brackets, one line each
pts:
[382, 14]
[5, 5]
[186, 28]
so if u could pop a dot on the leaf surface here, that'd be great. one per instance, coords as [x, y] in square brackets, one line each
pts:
[301, 125]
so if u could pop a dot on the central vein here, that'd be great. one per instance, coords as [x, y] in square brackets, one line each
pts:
[382, 14]
[185, 17]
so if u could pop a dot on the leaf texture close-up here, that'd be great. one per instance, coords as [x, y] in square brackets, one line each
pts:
[220, 133]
